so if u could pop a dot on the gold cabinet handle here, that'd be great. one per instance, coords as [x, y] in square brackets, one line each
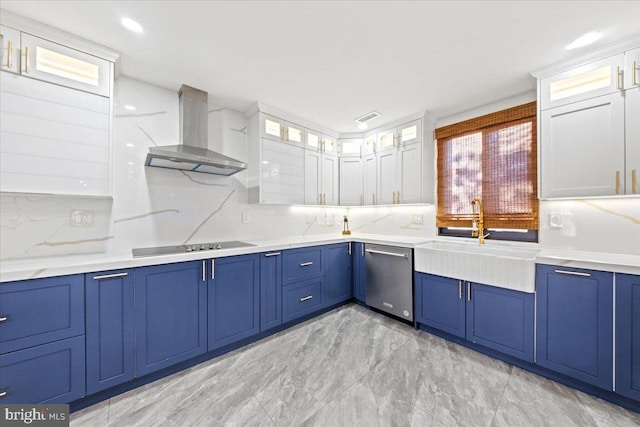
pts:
[10, 49]
[361, 199]
[634, 80]
[26, 60]
[617, 182]
[373, 197]
[468, 291]
[618, 74]
[398, 196]
[634, 182]
[459, 289]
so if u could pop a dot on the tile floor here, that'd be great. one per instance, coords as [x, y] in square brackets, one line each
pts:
[354, 367]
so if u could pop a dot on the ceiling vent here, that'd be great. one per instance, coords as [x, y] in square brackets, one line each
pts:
[367, 117]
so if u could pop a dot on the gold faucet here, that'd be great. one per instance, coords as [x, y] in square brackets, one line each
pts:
[478, 224]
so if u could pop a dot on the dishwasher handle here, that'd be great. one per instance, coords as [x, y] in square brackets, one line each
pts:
[371, 251]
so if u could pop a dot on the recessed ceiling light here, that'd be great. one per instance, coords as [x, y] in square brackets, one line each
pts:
[585, 40]
[130, 107]
[131, 25]
[363, 126]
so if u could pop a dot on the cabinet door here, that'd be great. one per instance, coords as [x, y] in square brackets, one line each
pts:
[370, 177]
[632, 140]
[39, 311]
[369, 145]
[312, 177]
[55, 63]
[337, 283]
[350, 147]
[48, 373]
[501, 319]
[329, 180]
[387, 170]
[386, 140]
[628, 335]
[587, 81]
[293, 134]
[282, 173]
[302, 263]
[10, 49]
[312, 140]
[351, 175]
[329, 145]
[171, 314]
[270, 290]
[439, 303]
[271, 127]
[410, 133]
[632, 69]
[410, 174]
[575, 323]
[110, 329]
[234, 299]
[582, 148]
[359, 272]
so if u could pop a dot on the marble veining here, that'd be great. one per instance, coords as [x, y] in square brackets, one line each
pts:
[354, 367]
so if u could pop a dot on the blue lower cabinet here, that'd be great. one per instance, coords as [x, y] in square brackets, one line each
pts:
[48, 373]
[628, 335]
[302, 263]
[301, 298]
[270, 290]
[440, 303]
[170, 314]
[501, 319]
[234, 299]
[359, 272]
[40, 311]
[575, 323]
[110, 329]
[337, 275]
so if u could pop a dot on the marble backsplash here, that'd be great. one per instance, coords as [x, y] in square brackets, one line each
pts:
[155, 207]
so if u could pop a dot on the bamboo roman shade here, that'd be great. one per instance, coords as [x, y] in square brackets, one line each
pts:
[493, 158]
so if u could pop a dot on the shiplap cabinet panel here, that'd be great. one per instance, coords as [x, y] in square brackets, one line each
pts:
[53, 139]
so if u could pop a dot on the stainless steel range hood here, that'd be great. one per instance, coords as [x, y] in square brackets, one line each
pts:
[192, 154]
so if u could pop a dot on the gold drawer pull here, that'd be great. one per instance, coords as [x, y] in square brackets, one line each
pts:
[634, 182]
[617, 182]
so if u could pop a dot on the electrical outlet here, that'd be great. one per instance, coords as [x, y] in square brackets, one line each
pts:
[555, 220]
[81, 219]
[245, 217]
[418, 219]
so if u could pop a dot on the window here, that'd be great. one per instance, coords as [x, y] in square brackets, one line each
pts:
[492, 158]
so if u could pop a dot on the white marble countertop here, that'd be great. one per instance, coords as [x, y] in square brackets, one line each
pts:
[619, 263]
[49, 267]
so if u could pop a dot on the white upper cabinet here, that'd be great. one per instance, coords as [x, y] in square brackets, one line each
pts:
[369, 166]
[386, 179]
[409, 174]
[329, 180]
[320, 179]
[52, 62]
[350, 147]
[10, 54]
[351, 181]
[587, 81]
[277, 129]
[282, 173]
[329, 145]
[589, 140]
[409, 133]
[313, 140]
[386, 140]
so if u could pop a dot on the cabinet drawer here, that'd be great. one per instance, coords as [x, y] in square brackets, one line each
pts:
[40, 311]
[301, 298]
[301, 264]
[49, 373]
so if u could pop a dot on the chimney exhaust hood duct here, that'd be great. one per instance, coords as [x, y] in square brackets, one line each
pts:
[192, 154]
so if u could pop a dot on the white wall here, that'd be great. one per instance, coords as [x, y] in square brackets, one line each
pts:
[153, 206]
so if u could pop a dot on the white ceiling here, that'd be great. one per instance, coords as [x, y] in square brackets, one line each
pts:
[333, 61]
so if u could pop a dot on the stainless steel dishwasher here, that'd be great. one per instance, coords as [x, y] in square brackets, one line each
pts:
[390, 279]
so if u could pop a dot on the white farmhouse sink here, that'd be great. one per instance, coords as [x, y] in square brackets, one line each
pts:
[495, 264]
